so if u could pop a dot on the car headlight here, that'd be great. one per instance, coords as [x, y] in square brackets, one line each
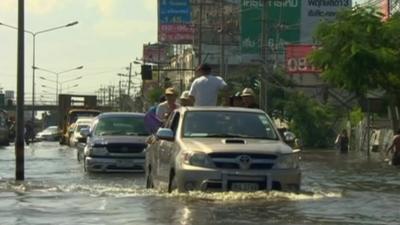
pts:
[199, 159]
[98, 151]
[288, 161]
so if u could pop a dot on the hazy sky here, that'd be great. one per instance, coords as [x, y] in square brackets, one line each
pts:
[110, 34]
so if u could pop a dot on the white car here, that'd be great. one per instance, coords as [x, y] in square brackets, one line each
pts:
[51, 133]
[221, 149]
[80, 124]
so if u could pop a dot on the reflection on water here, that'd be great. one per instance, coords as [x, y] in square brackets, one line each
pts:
[336, 189]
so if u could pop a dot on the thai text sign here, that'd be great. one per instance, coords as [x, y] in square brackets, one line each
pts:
[282, 19]
[296, 59]
[175, 22]
[315, 11]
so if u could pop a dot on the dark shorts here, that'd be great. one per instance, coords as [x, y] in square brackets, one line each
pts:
[396, 159]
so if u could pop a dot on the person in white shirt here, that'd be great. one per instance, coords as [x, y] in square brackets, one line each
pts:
[165, 108]
[205, 88]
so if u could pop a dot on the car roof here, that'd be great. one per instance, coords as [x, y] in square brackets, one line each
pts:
[84, 119]
[220, 109]
[120, 114]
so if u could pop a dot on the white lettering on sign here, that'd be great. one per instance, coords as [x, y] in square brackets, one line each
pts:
[286, 4]
[300, 65]
[329, 3]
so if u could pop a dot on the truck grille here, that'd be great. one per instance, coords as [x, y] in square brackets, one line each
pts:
[235, 154]
[126, 148]
[252, 162]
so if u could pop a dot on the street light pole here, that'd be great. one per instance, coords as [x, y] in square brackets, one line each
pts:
[19, 143]
[57, 76]
[34, 34]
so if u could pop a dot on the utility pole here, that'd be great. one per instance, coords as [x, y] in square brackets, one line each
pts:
[129, 79]
[200, 36]
[19, 143]
[221, 36]
[120, 95]
[264, 80]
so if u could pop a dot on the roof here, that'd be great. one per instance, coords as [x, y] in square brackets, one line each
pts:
[84, 110]
[220, 108]
[120, 114]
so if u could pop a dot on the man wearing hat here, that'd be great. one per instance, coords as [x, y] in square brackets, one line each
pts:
[185, 99]
[165, 108]
[248, 98]
[205, 88]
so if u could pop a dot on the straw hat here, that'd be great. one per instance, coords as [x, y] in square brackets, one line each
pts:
[185, 95]
[247, 92]
[170, 91]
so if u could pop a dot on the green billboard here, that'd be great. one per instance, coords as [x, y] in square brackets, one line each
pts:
[282, 20]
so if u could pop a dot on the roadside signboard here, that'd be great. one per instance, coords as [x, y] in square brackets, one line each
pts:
[282, 18]
[175, 22]
[296, 59]
[154, 53]
[315, 11]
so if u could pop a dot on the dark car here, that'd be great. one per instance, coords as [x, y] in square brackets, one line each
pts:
[115, 143]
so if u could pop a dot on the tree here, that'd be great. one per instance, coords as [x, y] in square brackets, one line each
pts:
[359, 51]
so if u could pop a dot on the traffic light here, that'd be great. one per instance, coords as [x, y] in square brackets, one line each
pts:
[146, 72]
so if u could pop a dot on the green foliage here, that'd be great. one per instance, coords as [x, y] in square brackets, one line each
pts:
[359, 51]
[244, 77]
[155, 94]
[356, 115]
[311, 121]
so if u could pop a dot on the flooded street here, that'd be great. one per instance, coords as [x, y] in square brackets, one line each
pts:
[335, 190]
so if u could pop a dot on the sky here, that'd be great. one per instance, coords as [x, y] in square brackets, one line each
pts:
[110, 34]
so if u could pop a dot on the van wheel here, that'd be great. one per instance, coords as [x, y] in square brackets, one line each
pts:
[172, 182]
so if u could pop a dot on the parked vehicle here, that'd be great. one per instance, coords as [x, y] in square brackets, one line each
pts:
[80, 123]
[4, 129]
[221, 149]
[51, 133]
[115, 143]
[72, 107]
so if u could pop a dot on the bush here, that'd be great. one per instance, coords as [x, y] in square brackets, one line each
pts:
[310, 120]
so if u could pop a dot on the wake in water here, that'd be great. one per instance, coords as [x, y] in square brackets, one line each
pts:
[134, 190]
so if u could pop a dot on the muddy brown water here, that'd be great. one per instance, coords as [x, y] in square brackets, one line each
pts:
[336, 189]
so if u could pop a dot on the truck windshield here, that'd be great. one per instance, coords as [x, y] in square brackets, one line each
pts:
[225, 124]
[132, 126]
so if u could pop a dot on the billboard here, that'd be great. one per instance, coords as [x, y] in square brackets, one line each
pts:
[155, 53]
[286, 14]
[296, 59]
[385, 9]
[175, 22]
[314, 11]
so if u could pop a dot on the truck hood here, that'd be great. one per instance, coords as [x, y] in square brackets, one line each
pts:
[212, 145]
[104, 140]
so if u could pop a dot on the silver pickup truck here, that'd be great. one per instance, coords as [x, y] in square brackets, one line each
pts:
[221, 149]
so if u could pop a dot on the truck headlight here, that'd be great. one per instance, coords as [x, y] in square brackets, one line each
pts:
[288, 161]
[199, 159]
[98, 151]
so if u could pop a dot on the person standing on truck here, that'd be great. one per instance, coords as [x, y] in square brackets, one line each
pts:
[248, 98]
[165, 108]
[206, 87]
[395, 148]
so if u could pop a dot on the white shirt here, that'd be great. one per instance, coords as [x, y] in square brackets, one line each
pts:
[164, 109]
[205, 90]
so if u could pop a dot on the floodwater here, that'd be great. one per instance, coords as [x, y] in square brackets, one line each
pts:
[336, 189]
